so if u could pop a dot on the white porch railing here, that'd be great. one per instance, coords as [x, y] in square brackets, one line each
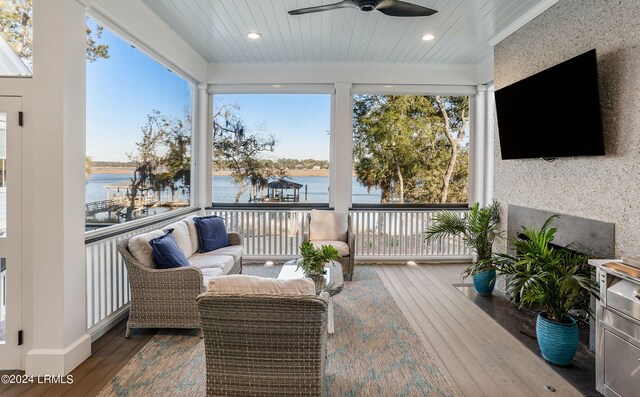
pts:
[384, 233]
[267, 233]
[380, 233]
[107, 283]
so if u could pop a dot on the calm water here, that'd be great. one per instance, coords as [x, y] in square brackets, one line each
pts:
[224, 190]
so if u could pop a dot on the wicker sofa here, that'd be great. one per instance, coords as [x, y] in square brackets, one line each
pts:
[166, 298]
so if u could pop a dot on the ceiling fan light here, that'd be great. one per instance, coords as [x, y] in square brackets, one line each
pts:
[254, 35]
[428, 37]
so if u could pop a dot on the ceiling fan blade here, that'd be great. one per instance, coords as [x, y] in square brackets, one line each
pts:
[309, 10]
[397, 8]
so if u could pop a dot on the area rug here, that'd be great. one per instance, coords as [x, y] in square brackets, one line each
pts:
[373, 352]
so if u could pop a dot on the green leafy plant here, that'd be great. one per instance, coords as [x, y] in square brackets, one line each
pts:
[314, 259]
[556, 279]
[478, 229]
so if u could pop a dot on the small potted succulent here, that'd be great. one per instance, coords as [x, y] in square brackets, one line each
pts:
[313, 261]
[478, 229]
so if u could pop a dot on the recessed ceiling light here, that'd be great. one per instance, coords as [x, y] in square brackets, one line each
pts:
[388, 86]
[254, 35]
[276, 86]
[428, 37]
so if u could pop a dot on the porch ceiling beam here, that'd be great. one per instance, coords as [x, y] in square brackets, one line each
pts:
[314, 73]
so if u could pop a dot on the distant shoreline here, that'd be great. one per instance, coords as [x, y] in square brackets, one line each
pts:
[129, 171]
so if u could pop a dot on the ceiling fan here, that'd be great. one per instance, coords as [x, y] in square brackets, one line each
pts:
[393, 8]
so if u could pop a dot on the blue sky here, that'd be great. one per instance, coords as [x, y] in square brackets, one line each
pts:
[300, 123]
[121, 91]
[124, 89]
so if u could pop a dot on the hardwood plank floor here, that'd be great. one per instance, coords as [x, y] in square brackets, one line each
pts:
[477, 355]
[109, 354]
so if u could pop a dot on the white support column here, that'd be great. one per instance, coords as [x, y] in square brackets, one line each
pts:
[209, 147]
[341, 163]
[332, 154]
[473, 139]
[55, 271]
[193, 196]
[203, 149]
[477, 146]
[489, 146]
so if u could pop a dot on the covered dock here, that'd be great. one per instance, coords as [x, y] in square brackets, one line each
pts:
[282, 190]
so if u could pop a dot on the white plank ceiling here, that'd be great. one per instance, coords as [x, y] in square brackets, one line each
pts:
[217, 30]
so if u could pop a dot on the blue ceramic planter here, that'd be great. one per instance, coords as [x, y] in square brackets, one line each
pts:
[484, 282]
[558, 341]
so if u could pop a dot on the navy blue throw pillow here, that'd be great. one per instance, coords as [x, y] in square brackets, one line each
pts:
[212, 234]
[166, 252]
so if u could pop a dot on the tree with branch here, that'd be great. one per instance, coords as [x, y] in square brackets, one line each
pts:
[454, 112]
[242, 152]
[385, 130]
[401, 148]
[16, 26]
[162, 158]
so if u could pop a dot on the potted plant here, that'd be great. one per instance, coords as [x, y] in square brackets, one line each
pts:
[314, 259]
[555, 279]
[478, 229]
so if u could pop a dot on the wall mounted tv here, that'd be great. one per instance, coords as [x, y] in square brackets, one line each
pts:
[554, 113]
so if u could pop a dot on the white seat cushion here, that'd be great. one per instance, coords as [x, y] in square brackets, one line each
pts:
[238, 284]
[210, 260]
[341, 246]
[209, 274]
[233, 250]
[193, 234]
[181, 234]
[141, 249]
[328, 225]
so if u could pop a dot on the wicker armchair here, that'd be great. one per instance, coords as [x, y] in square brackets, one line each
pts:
[347, 261]
[267, 346]
[165, 298]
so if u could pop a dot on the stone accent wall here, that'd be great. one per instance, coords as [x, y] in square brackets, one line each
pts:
[600, 188]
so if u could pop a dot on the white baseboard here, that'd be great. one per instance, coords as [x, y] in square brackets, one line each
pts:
[58, 361]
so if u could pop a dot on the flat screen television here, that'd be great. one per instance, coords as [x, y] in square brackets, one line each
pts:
[554, 113]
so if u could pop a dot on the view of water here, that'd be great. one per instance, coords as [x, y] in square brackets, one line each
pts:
[224, 190]
[95, 188]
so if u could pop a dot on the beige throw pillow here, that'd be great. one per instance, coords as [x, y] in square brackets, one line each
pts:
[141, 249]
[193, 234]
[328, 225]
[181, 234]
[239, 284]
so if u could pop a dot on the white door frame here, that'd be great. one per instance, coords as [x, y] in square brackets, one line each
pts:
[11, 243]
